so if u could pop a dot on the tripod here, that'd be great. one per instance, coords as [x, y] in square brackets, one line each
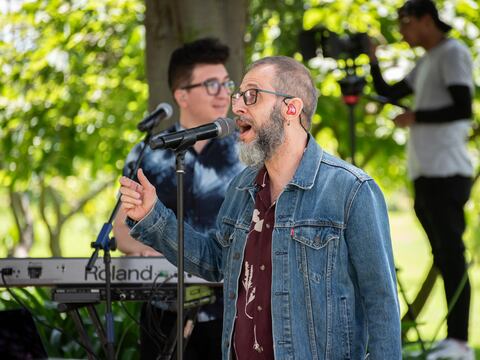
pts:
[352, 87]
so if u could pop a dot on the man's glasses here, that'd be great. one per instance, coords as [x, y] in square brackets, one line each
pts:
[404, 20]
[214, 86]
[250, 95]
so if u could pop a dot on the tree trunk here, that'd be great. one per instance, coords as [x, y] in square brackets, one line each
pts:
[20, 205]
[169, 24]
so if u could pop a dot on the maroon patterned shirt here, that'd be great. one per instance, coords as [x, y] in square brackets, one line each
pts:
[253, 324]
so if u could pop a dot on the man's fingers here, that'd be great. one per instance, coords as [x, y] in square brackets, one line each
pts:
[128, 206]
[131, 200]
[149, 252]
[136, 198]
[130, 192]
[126, 181]
[143, 179]
[129, 183]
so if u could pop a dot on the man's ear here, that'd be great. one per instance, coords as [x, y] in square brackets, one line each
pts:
[293, 109]
[181, 96]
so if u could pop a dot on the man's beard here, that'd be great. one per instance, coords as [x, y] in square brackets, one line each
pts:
[269, 137]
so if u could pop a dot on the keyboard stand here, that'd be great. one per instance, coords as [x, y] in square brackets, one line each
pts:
[72, 309]
[169, 350]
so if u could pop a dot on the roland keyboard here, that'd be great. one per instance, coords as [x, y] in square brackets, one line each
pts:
[126, 271]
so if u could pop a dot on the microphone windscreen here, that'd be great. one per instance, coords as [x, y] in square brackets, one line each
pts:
[167, 108]
[226, 126]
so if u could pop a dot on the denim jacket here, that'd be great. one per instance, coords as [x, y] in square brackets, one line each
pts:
[333, 276]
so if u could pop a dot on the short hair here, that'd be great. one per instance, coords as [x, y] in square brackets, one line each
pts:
[184, 59]
[419, 8]
[292, 78]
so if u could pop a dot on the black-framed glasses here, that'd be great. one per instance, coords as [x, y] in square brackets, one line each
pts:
[250, 95]
[214, 86]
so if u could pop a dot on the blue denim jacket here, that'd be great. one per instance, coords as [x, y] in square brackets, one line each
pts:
[333, 277]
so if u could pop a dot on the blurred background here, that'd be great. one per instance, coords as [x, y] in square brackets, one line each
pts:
[77, 77]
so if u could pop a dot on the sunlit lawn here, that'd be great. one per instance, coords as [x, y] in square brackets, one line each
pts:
[411, 250]
[413, 258]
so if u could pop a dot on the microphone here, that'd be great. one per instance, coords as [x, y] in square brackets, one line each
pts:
[162, 112]
[219, 128]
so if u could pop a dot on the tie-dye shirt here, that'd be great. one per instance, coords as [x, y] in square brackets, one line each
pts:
[206, 179]
[205, 182]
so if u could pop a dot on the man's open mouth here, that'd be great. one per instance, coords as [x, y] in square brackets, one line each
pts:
[244, 128]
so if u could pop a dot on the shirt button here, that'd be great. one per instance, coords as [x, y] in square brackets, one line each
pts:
[268, 226]
[236, 256]
[259, 308]
[262, 267]
[232, 295]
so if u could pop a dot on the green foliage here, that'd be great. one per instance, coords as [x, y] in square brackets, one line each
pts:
[472, 235]
[273, 29]
[75, 85]
[57, 329]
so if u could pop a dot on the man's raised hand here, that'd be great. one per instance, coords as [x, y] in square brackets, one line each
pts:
[137, 199]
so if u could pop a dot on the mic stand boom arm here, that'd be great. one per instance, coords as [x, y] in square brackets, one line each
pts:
[105, 243]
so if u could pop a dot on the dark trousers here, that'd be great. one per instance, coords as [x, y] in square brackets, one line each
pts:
[439, 206]
[205, 341]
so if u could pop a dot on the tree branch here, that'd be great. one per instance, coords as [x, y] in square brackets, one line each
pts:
[43, 206]
[23, 221]
[82, 202]
[368, 156]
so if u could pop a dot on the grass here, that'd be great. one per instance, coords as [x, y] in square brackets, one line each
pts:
[413, 259]
[411, 251]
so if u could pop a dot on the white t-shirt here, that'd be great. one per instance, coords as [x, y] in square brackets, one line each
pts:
[440, 150]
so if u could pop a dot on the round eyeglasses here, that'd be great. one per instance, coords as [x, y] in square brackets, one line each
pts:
[214, 86]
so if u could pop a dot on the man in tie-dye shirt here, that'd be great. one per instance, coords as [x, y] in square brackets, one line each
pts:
[201, 87]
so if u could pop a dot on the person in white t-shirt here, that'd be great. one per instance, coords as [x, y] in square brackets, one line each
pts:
[438, 161]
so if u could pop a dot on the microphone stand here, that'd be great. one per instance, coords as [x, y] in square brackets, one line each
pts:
[105, 243]
[351, 101]
[352, 87]
[188, 140]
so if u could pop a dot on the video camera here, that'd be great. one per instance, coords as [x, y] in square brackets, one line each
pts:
[348, 46]
[340, 47]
